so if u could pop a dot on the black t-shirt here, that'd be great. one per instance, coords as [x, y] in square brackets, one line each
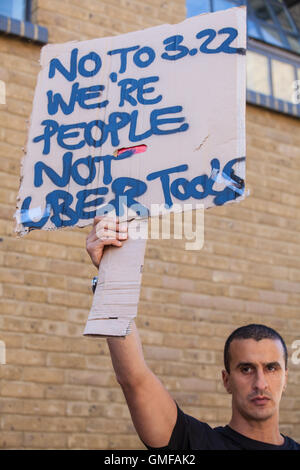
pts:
[191, 434]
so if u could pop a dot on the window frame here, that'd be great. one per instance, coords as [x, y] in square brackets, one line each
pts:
[275, 25]
[27, 11]
[270, 101]
[24, 29]
[270, 51]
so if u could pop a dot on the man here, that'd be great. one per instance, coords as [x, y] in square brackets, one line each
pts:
[255, 375]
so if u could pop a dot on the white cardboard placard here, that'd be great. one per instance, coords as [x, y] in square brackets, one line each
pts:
[175, 92]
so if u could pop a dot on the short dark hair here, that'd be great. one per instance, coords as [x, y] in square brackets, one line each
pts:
[256, 332]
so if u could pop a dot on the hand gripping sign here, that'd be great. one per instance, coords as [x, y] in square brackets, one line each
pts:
[154, 117]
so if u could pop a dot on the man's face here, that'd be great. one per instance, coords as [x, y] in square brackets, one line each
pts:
[257, 377]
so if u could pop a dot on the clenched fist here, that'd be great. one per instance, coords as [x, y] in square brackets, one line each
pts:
[106, 231]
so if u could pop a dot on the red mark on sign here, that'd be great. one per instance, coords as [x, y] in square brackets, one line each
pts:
[134, 150]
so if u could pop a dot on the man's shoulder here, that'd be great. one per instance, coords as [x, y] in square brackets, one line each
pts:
[291, 444]
[245, 442]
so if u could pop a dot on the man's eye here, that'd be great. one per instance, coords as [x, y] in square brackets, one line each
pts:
[246, 370]
[271, 368]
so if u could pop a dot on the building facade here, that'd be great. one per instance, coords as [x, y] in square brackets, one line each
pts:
[58, 389]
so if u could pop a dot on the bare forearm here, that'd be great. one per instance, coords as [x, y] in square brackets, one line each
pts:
[152, 408]
[127, 358]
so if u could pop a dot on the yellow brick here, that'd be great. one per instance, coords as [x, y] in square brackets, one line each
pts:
[20, 356]
[111, 427]
[24, 293]
[19, 108]
[66, 392]
[22, 390]
[49, 424]
[68, 361]
[122, 442]
[43, 375]
[10, 372]
[9, 166]
[88, 441]
[11, 440]
[45, 440]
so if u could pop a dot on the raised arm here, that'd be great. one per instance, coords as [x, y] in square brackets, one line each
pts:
[152, 408]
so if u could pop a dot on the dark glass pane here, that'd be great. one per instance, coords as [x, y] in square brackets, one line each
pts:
[260, 10]
[282, 16]
[13, 8]
[196, 7]
[295, 13]
[294, 43]
[271, 36]
[252, 30]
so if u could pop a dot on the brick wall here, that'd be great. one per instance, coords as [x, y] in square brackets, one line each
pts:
[58, 388]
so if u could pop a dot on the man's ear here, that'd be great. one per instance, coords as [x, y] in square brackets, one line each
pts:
[226, 381]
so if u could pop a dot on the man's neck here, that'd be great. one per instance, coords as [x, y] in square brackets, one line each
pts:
[263, 431]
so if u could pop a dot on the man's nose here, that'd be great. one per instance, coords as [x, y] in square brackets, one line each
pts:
[260, 382]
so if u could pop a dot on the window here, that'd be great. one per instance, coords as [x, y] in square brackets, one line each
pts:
[294, 9]
[272, 77]
[273, 50]
[258, 73]
[283, 73]
[16, 9]
[275, 22]
[15, 19]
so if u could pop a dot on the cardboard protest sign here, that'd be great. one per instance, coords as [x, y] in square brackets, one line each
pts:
[152, 117]
[136, 123]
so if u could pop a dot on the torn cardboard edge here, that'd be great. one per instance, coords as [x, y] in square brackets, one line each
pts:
[116, 298]
[108, 327]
